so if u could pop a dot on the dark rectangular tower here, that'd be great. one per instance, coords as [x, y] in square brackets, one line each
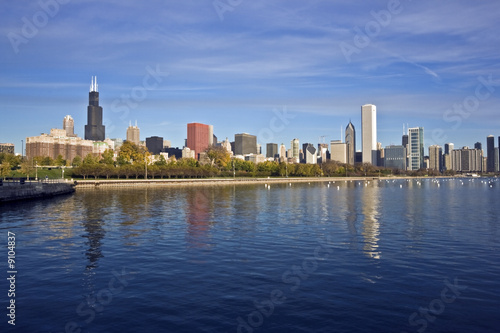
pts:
[350, 141]
[94, 130]
[490, 151]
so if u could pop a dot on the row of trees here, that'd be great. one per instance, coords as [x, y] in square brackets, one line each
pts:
[136, 162]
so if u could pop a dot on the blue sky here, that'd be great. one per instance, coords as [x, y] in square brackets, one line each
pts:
[279, 69]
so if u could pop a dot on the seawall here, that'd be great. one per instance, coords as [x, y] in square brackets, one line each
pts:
[205, 181]
[12, 191]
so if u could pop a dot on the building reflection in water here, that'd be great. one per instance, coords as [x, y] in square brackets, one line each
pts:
[93, 222]
[198, 217]
[351, 215]
[371, 202]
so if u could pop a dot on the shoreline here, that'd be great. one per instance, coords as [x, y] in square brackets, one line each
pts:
[226, 181]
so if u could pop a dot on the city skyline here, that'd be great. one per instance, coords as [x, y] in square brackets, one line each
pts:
[277, 71]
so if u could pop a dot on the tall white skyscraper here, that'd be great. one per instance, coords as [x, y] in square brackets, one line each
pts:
[369, 133]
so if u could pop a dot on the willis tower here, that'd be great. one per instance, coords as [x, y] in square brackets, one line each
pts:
[94, 130]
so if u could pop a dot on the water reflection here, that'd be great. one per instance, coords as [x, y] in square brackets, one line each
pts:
[198, 217]
[371, 202]
[93, 223]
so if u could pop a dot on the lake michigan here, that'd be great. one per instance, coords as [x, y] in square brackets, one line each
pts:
[345, 256]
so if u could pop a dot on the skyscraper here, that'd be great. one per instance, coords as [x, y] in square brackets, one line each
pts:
[282, 151]
[338, 151]
[435, 158]
[350, 141]
[199, 137]
[271, 149]
[154, 144]
[245, 144]
[294, 145]
[416, 148]
[94, 130]
[448, 147]
[404, 140]
[395, 157]
[490, 151]
[69, 126]
[133, 134]
[369, 133]
[310, 156]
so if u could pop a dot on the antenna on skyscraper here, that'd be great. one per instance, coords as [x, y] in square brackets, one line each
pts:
[96, 84]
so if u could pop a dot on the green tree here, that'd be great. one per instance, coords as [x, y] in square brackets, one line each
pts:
[5, 169]
[90, 160]
[108, 157]
[59, 161]
[218, 156]
[107, 170]
[27, 167]
[77, 161]
[153, 170]
[187, 162]
[129, 151]
[47, 160]
[161, 161]
[126, 170]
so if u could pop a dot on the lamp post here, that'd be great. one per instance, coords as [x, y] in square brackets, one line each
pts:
[36, 171]
[146, 166]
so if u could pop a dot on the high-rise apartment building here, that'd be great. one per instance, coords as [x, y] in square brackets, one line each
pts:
[350, 141]
[58, 143]
[7, 148]
[490, 151]
[94, 130]
[415, 148]
[448, 147]
[467, 160]
[435, 158]
[245, 144]
[295, 147]
[133, 134]
[199, 137]
[369, 133]
[282, 151]
[69, 126]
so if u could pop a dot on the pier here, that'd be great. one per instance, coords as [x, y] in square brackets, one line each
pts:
[13, 190]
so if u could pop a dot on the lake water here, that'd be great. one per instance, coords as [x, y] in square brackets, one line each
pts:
[383, 256]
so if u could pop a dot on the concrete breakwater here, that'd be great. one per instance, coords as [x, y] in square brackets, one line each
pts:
[19, 190]
[204, 181]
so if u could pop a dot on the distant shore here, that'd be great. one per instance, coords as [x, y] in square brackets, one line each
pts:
[224, 181]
